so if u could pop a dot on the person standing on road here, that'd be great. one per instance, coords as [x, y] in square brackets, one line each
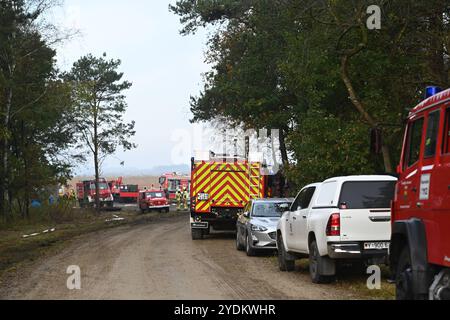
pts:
[185, 199]
[178, 196]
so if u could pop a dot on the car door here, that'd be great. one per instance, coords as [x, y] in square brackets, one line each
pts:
[435, 185]
[301, 221]
[242, 221]
[296, 215]
[408, 189]
[290, 218]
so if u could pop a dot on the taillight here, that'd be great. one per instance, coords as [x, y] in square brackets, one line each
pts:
[334, 225]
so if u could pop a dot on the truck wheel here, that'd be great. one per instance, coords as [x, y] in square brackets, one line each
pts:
[284, 263]
[403, 282]
[197, 234]
[239, 245]
[315, 264]
[248, 248]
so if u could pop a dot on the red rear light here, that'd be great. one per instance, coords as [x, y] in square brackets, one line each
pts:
[334, 225]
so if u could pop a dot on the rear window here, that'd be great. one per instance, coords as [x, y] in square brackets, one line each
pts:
[367, 194]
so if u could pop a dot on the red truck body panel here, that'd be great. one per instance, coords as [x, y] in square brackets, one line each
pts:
[423, 190]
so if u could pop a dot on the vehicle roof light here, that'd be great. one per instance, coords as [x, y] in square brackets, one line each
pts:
[431, 91]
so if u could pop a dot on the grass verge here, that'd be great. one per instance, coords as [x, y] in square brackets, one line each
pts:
[354, 281]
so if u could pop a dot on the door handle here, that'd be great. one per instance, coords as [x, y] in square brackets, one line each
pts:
[419, 204]
[414, 189]
[294, 218]
[304, 217]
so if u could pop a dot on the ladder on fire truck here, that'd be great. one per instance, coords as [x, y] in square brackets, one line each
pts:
[252, 177]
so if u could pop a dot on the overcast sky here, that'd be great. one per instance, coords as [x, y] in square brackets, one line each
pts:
[164, 67]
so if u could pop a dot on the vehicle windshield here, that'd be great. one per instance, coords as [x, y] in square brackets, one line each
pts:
[367, 194]
[269, 209]
[101, 185]
[155, 194]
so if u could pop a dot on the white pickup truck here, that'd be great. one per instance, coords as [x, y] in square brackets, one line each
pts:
[342, 219]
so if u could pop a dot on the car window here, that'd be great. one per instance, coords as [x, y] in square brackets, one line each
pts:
[267, 209]
[446, 138]
[327, 194]
[414, 142]
[367, 194]
[295, 204]
[306, 197]
[432, 134]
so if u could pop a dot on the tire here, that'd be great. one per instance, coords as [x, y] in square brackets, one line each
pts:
[197, 234]
[315, 261]
[403, 281]
[239, 245]
[248, 249]
[283, 263]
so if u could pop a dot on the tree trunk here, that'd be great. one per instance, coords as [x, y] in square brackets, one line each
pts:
[96, 162]
[283, 149]
[362, 110]
[5, 156]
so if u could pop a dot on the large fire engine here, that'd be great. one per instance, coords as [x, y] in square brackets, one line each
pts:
[171, 182]
[420, 244]
[86, 193]
[221, 187]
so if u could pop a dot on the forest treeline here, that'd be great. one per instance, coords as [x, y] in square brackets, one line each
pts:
[323, 73]
[51, 120]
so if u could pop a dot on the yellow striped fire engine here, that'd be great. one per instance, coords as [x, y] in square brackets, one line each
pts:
[220, 189]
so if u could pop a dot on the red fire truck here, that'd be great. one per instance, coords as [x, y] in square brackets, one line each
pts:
[171, 182]
[221, 187]
[128, 193]
[114, 185]
[86, 193]
[420, 244]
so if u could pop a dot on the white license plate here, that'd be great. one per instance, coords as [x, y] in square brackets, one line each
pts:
[376, 245]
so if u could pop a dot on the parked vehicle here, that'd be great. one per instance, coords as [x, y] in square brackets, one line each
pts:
[86, 193]
[171, 182]
[129, 193]
[221, 188]
[420, 244]
[344, 219]
[153, 200]
[114, 185]
[257, 225]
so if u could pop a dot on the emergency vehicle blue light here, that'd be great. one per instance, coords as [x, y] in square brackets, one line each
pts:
[431, 91]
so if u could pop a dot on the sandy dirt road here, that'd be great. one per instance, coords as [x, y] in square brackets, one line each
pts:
[159, 261]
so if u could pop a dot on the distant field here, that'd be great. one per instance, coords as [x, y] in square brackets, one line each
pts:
[142, 181]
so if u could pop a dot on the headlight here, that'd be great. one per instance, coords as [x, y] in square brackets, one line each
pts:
[258, 228]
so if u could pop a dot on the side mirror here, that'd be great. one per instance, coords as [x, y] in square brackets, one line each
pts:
[246, 214]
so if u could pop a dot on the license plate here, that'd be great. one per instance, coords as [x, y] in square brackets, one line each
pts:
[376, 245]
[199, 225]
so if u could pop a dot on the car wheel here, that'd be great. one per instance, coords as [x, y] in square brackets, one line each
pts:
[197, 234]
[239, 245]
[315, 261]
[248, 248]
[284, 263]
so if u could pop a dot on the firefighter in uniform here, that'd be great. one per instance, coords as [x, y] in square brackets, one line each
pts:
[185, 199]
[178, 196]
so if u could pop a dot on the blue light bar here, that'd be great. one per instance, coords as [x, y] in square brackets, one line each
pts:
[431, 91]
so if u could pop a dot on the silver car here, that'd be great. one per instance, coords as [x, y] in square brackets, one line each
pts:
[257, 225]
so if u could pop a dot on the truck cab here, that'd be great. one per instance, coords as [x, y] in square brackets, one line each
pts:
[420, 243]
